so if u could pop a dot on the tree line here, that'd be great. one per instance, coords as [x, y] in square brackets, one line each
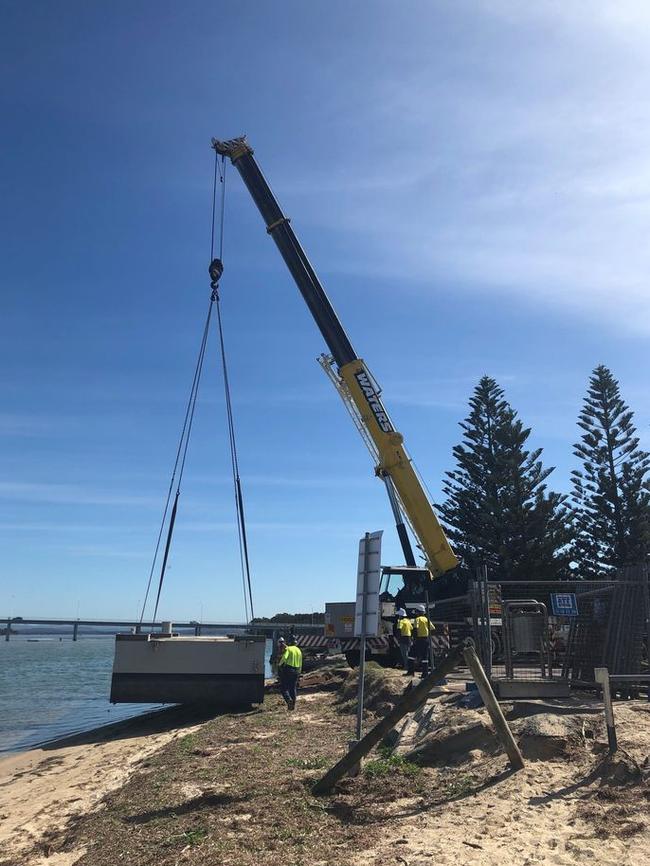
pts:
[499, 510]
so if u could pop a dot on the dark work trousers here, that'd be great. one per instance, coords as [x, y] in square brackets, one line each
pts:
[288, 677]
[422, 653]
[404, 646]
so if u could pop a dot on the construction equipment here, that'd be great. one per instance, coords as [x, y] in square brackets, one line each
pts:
[352, 378]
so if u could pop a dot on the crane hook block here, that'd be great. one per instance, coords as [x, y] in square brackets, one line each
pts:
[215, 270]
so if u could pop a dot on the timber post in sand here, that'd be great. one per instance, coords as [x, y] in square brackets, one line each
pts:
[492, 706]
[601, 676]
[410, 701]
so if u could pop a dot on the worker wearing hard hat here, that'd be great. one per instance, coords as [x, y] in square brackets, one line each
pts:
[422, 628]
[404, 635]
[289, 669]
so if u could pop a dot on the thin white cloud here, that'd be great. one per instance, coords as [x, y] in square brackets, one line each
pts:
[103, 552]
[308, 527]
[16, 424]
[252, 480]
[69, 494]
[520, 173]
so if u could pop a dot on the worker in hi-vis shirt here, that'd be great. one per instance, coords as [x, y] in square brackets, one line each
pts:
[422, 627]
[289, 669]
[404, 634]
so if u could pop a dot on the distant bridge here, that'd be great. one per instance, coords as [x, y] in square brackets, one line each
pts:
[272, 629]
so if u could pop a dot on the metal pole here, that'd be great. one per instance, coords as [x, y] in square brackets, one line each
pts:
[364, 628]
[488, 625]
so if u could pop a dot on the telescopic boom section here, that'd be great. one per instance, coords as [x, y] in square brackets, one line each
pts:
[393, 458]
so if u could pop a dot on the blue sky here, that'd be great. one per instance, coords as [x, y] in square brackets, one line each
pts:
[472, 182]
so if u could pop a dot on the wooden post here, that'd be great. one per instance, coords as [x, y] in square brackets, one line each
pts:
[602, 676]
[8, 632]
[75, 630]
[410, 701]
[491, 704]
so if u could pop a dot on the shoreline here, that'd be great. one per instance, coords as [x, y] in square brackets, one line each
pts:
[44, 787]
[69, 738]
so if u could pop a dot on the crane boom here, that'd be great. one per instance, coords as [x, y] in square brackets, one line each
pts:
[393, 462]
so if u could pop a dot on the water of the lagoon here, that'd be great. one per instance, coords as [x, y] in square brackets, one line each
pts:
[54, 687]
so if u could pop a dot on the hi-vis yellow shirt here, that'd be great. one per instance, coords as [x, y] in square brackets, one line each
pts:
[422, 624]
[291, 657]
[405, 627]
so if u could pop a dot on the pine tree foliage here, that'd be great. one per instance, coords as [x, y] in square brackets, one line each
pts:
[497, 508]
[611, 492]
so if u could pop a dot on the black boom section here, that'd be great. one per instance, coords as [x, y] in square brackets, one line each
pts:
[279, 228]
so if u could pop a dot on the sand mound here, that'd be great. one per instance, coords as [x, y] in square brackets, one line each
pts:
[620, 769]
[454, 745]
[382, 690]
[546, 736]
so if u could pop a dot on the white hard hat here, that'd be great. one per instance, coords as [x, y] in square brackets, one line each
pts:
[421, 608]
[400, 611]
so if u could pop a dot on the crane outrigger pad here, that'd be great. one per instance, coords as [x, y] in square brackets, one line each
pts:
[168, 669]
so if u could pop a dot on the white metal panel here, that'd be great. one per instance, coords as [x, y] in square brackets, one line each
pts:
[368, 573]
[189, 655]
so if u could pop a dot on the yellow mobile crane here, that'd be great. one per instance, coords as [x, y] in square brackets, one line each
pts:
[351, 377]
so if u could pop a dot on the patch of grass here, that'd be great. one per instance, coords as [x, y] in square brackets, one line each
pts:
[308, 763]
[388, 764]
[189, 837]
[460, 787]
[187, 743]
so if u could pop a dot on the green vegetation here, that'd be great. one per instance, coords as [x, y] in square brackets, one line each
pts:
[389, 764]
[497, 509]
[460, 787]
[611, 495]
[315, 617]
[190, 837]
[187, 743]
[308, 763]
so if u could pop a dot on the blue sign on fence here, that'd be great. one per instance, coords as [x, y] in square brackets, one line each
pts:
[564, 603]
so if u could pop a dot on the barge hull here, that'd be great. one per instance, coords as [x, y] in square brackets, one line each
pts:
[220, 672]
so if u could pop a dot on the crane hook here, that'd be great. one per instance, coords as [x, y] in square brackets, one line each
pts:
[215, 270]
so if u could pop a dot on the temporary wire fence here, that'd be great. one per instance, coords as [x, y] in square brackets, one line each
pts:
[552, 630]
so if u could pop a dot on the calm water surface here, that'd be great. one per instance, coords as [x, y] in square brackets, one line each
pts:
[51, 688]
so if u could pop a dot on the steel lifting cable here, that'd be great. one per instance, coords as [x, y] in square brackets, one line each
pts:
[239, 498]
[216, 268]
[179, 466]
[181, 451]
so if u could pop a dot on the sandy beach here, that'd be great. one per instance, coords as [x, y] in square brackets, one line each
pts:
[236, 788]
[42, 789]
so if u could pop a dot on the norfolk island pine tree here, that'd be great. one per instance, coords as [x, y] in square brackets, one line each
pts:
[497, 508]
[611, 492]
